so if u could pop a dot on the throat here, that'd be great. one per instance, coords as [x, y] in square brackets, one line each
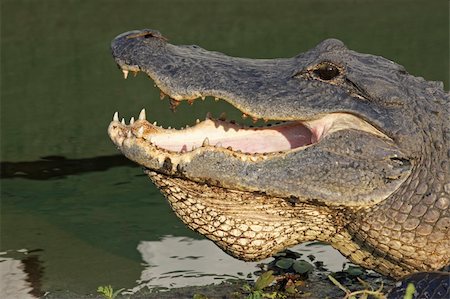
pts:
[249, 226]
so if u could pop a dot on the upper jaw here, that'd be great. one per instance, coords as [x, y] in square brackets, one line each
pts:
[270, 89]
[251, 85]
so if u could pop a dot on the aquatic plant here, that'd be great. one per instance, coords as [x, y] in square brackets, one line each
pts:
[107, 292]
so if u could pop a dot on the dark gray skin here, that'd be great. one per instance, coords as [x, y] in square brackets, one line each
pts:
[376, 187]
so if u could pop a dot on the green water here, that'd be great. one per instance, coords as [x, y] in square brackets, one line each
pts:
[60, 87]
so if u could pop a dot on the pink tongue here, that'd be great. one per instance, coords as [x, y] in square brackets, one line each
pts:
[248, 140]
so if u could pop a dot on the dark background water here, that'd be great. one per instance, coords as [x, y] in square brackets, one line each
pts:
[66, 194]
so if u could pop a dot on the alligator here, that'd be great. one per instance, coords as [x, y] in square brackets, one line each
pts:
[356, 153]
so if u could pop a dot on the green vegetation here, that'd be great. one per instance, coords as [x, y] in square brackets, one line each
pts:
[107, 292]
[410, 289]
[257, 292]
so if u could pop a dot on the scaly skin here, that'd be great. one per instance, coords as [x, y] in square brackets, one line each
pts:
[375, 185]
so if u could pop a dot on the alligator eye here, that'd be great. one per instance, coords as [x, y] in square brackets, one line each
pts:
[326, 71]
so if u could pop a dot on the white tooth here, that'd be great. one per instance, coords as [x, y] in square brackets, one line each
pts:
[155, 123]
[116, 116]
[169, 128]
[132, 121]
[141, 131]
[123, 121]
[125, 74]
[203, 98]
[205, 142]
[197, 121]
[142, 114]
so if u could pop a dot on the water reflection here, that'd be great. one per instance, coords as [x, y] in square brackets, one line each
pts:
[180, 261]
[21, 277]
[57, 167]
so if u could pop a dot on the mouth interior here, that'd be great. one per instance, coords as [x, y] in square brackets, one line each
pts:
[224, 134]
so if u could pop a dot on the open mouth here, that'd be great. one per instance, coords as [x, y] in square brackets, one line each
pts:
[271, 139]
[218, 133]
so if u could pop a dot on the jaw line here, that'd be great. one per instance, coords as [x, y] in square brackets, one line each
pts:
[144, 134]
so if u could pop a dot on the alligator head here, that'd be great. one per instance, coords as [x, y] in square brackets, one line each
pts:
[358, 142]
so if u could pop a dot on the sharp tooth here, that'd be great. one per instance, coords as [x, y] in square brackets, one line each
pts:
[255, 119]
[123, 121]
[244, 116]
[125, 74]
[162, 95]
[197, 121]
[155, 123]
[216, 99]
[223, 116]
[205, 142]
[132, 121]
[142, 114]
[141, 131]
[169, 128]
[203, 98]
[116, 116]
